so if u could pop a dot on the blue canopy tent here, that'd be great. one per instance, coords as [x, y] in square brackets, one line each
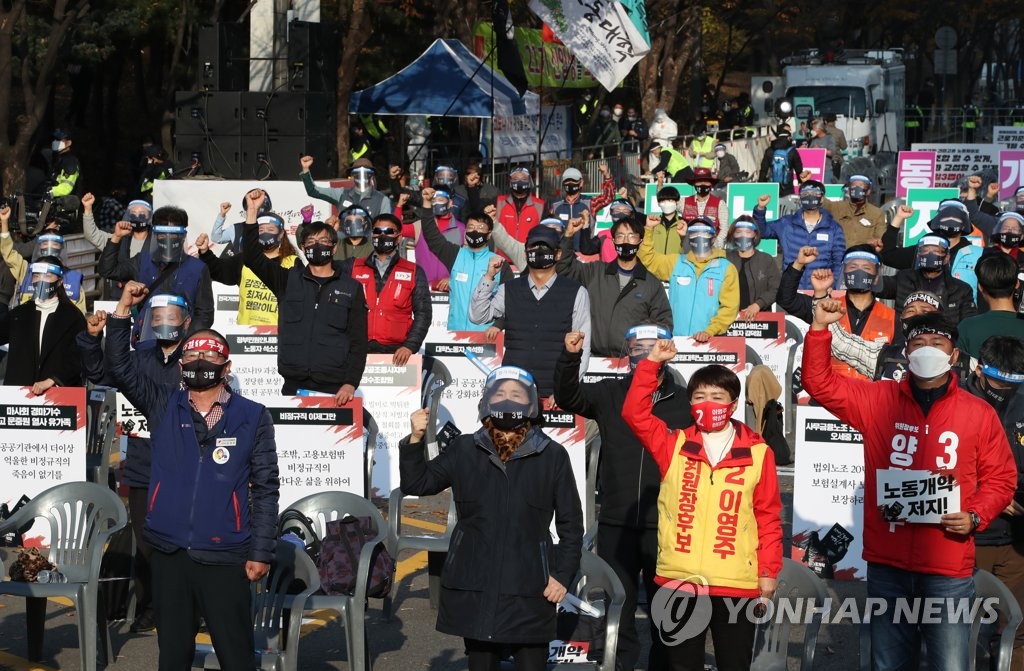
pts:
[459, 85]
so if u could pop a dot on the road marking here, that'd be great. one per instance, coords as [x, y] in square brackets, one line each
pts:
[15, 663]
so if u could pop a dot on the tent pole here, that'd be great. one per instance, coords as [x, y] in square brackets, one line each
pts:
[565, 78]
[459, 95]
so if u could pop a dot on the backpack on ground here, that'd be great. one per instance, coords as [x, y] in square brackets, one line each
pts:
[339, 558]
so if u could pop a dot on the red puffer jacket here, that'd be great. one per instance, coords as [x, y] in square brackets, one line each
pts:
[961, 433]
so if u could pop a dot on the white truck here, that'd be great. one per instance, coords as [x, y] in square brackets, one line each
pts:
[865, 89]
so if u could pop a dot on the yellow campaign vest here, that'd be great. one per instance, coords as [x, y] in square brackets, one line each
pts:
[677, 161]
[701, 147]
[257, 305]
[706, 523]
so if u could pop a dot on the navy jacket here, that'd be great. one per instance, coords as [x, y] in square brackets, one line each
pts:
[151, 363]
[792, 234]
[222, 513]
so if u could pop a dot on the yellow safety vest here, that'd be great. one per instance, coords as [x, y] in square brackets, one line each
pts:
[703, 147]
[677, 161]
[257, 305]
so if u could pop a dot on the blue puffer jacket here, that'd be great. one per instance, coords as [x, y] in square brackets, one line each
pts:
[790, 231]
[223, 510]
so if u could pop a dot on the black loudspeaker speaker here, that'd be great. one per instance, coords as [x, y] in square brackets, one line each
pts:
[312, 50]
[278, 156]
[224, 57]
[208, 112]
[288, 113]
[218, 155]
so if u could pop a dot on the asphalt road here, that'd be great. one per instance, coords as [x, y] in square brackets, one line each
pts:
[408, 641]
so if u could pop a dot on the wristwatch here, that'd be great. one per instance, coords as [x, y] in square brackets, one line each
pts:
[975, 520]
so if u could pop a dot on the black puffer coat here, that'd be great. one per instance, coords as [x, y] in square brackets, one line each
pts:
[501, 552]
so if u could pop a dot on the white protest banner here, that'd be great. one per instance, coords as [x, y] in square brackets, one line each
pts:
[319, 446]
[438, 316]
[390, 394]
[766, 335]
[1008, 137]
[925, 202]
[828, 490]
[43, 444]
[742, 199]
[459, 400]
[254, 361]
[916, 496]
[814, 161]
[954, 161]
[724, 351]
[601, 34]
[201, 199]
[914, 170]
[517, 135]
[225, 307]
[1011, 172]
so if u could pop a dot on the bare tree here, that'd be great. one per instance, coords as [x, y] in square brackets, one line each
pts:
[675, 44]
[36, 79]
[352, 13]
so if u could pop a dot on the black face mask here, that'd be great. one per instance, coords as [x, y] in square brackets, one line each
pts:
[319, 254]
[167, 332]
[520, 189]
[930, 261]
[138, 223]
[810, 202]
[947, 229]
[509, 415]
[860, 280]
[476, 239]
[743, 243]
[702, 190]
[626, 251]
[571, 189]
[269, 240]
[383, 244]
[202, 374]
[540, 258]
[1010, 240]
[997, 398]
[857, 194]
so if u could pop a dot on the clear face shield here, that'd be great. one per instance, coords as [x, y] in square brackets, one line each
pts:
[355, 223]
[365, 179]
[1009, 230]
[509, 398]
[701, 237]
[520, 183]
[46, 279]
[167, 244]
[640, 341]
[166, 318]
[932, 252]
[951, 219]
[620, 210]
[441, 205]
[860, 271]
[139, 215]
[270, 230]
[445, 177]
[49, 244]
[744, 236]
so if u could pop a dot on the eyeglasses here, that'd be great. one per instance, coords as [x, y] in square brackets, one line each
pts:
[193, 355]
[626, 237]
[640, 350]
[384, 231]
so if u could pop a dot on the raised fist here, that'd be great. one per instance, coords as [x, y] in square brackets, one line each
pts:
[763, 200]
[574, 342]
[203, 243]
[664, 350]
[87, 202]
[306, 162]
[225, 207]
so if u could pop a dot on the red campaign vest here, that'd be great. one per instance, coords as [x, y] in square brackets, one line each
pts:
[389, 316]
[518, 224]
[710, 210]
[880, 326]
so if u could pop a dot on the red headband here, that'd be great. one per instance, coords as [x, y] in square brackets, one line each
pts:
[206, 345]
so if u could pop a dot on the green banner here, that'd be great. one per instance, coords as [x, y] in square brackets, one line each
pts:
[924, 202]
[545, 63]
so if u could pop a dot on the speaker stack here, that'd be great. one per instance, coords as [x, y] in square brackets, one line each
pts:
[239, 134]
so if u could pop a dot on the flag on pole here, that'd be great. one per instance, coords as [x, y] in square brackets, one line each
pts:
[509, 61]
[608, 36]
